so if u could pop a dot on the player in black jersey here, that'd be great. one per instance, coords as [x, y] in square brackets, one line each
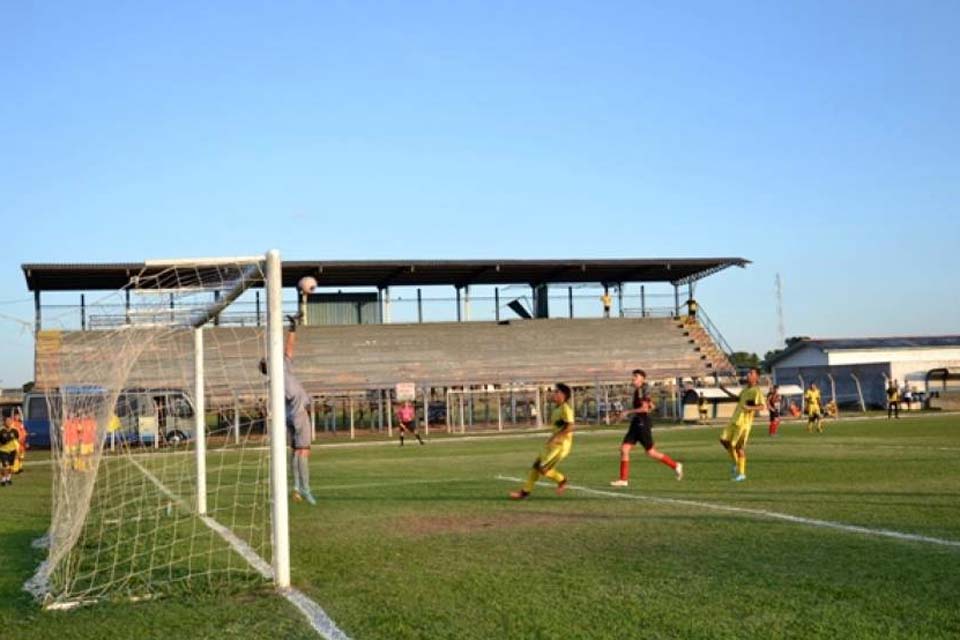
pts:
[641, 431]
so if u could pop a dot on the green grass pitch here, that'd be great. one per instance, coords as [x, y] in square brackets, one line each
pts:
[421, 542]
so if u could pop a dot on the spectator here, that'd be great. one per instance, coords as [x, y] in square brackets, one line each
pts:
[607, 302]
[22, 434]
[893, 400]
[907, 395]
[702, 408]
[8, 451]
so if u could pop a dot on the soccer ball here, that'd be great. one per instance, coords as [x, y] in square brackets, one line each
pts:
[307, 284]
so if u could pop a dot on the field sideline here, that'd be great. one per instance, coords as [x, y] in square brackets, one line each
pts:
[421, 542]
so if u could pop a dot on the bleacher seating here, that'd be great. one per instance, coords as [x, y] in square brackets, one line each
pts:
[331, 358]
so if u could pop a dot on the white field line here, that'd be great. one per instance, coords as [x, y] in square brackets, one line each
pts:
[374, 485]
[762, 513]
[313, 612]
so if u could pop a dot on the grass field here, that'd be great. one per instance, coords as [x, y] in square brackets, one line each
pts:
[421, 542]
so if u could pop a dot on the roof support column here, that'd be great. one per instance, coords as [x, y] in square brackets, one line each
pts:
[620, 297]
[459, 310]
[466, 303]
[570, 300]
[419, 305]
[541, 300]
[496, 303]
[643, 301]
[83, 312]
[37, 319]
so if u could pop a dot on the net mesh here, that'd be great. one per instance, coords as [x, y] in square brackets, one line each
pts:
[122, 409]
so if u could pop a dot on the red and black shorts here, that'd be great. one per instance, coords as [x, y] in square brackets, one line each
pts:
[640, 431]
[410, 426]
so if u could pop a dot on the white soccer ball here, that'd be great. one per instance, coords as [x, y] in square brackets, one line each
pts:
[307, 284]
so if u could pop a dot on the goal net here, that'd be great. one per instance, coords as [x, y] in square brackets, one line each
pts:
[167, 452]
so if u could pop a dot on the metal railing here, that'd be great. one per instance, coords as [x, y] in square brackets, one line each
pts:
[713, 331]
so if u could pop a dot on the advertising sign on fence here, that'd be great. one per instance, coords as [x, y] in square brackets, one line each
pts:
[406, 391]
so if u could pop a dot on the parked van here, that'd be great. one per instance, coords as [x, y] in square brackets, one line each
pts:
[36, 418]
[153, 417]
[150, 417]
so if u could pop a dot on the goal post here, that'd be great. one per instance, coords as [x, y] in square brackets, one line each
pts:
[278, 425]
[191, 488]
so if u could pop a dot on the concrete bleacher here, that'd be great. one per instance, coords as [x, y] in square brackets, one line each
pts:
[348, 357]
[712, 353]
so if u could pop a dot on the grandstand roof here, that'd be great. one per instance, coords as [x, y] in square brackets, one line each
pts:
[853, 344]
[383, 273]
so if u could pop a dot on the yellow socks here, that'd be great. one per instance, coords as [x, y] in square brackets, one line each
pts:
[532, 478]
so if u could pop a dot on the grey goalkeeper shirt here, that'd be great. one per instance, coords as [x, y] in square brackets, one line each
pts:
[296, 396]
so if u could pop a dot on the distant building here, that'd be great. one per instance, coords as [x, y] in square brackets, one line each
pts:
[859, 369]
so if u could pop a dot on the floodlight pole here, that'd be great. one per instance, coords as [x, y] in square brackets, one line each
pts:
[278, 426]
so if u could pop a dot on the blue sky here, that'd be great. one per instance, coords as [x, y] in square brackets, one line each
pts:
[819, 139]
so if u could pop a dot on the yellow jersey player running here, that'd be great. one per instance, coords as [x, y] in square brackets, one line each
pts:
[556, 448]
[814, 410]
[735, 435]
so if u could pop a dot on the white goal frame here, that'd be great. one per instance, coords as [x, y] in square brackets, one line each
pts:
[264, 269]
[279, 516]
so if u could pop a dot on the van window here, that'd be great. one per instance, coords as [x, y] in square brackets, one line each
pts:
[37, 408]
[179, 406]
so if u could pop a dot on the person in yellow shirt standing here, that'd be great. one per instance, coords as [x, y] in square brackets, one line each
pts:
[893, 400]
[556, 448]
[737, 432]
[607, 302]
[692, 307]
[814, 409]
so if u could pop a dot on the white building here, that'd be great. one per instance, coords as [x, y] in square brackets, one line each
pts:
[849, 368]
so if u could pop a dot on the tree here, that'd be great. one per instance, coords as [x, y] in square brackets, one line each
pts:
[744, 360]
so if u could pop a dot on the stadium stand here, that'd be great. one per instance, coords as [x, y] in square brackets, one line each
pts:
[353, 357]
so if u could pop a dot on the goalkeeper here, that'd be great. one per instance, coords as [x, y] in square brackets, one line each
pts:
[298, 418]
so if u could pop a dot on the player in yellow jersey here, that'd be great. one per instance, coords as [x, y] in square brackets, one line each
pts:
[814, 410]
[893, 400]
[556, 448]
[737, 432]
[9, 444]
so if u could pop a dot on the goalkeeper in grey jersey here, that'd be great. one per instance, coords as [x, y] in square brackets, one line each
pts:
[298, 419]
